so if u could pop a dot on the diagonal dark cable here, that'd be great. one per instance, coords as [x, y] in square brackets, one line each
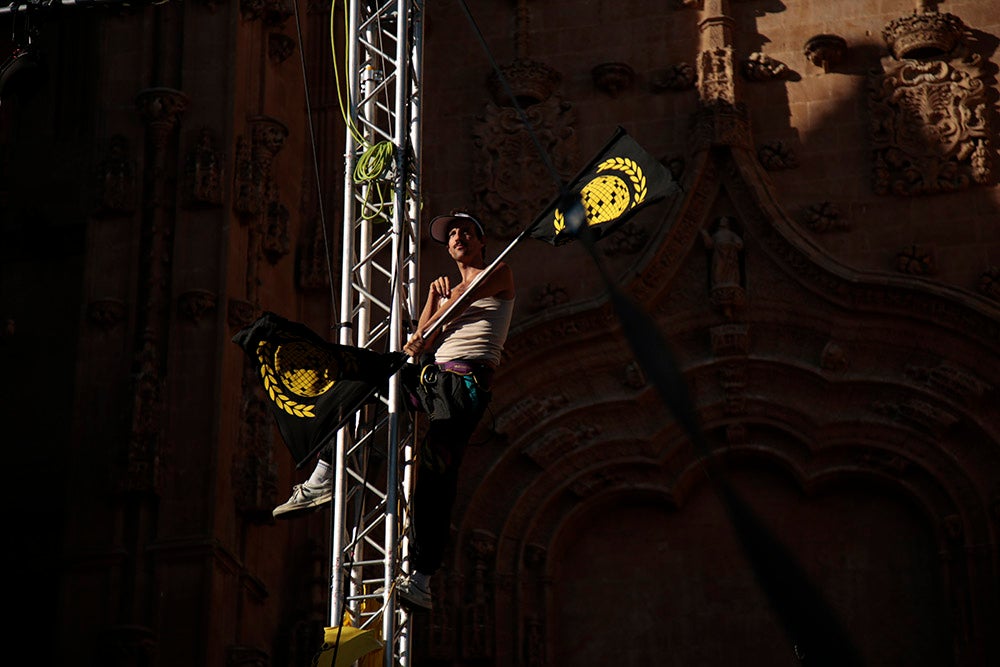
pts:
[315, 161]
[513, 100]
[807, 619]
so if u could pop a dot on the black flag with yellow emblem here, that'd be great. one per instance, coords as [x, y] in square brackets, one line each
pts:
[619, 182]
[313, 387]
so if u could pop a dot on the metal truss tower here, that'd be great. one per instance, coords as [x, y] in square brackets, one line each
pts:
[378, 303]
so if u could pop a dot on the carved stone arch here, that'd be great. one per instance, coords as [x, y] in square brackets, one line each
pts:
[893, 374]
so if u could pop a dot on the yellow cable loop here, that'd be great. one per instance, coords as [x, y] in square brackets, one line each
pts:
[375, 160]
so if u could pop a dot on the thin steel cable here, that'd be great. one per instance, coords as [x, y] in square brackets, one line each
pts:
[315, 161]
[513, 100]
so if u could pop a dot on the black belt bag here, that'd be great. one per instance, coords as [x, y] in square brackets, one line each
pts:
[450, 390]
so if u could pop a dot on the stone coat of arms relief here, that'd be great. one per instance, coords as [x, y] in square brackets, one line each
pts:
[929, 109]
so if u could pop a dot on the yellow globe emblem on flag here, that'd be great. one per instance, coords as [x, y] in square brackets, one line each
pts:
[298, 368]
[604, 199]
[607, 196]
[306, 370]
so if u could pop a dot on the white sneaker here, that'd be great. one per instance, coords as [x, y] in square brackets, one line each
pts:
[412, 595]
[305, 497]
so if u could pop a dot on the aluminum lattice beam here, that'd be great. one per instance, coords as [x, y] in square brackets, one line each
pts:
[378, 301]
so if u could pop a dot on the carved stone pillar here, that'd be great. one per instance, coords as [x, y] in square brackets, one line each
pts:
[160, 109]
[722, 118]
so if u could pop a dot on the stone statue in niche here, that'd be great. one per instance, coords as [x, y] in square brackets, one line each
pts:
[726, 271]
[510, 181]
[930, 112]
[203, 172]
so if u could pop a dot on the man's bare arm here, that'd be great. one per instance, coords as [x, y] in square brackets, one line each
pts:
[500, 283]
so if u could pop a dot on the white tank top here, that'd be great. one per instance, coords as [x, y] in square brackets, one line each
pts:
[478, 334]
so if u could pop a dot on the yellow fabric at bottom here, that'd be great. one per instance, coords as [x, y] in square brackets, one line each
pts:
[355, 645]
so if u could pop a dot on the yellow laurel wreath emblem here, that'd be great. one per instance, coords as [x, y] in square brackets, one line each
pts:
[273, 387]
[626, 166]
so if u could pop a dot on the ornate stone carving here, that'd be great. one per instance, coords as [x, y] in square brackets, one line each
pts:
[825, 50]
[736, 434]
[629, 239]
[530, 410]
[557, 442]
[160, 109]
[918, 413]
[733, 379]
[930, 116]
[681, 76]
[510, 181]
[890, 462]
[251, 10]
[203, 172]
[240, 314]
[833, 358]
[824, 217]
[730, 340]
[761, 67]
[116, 185]
[106, 314]
[989, 283]
[547, 296]
[776, 155]
[252, 183]
[961, 385]
[613, 78]
[923, 34]
[530, 81]
[716, 82]
[273, 13]
[726, 275]
[916, 260]
[193, 305]
[276, 242]
[279, 47]
[269, 136]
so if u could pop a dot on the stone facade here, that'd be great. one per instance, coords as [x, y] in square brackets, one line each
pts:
[827, 280]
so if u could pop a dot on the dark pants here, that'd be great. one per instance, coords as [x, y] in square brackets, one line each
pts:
[439, 459]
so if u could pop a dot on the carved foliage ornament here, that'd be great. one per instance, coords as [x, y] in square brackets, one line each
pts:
[681, 76]
[761, 67]
[777, 155]
[930, 122]
[160, 109]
